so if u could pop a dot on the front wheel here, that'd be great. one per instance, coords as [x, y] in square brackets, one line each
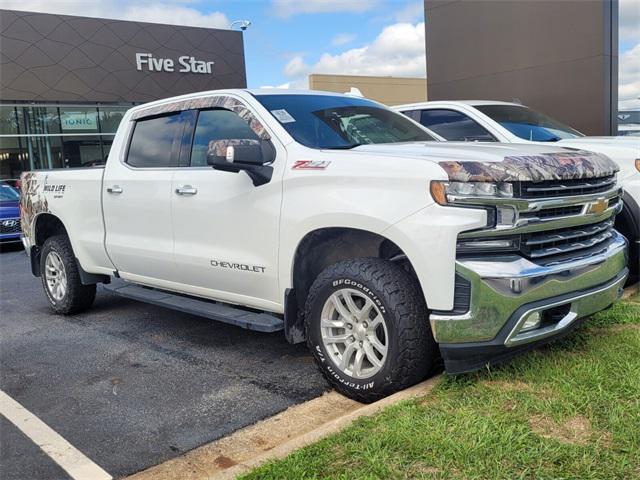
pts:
[368, 329]
[61, 279]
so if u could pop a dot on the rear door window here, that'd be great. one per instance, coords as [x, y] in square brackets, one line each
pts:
[156, 141]
[455, 126]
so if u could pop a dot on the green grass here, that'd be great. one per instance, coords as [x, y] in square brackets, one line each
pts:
[567, 411]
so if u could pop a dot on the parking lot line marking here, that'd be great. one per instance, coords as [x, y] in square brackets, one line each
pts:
[72, 460]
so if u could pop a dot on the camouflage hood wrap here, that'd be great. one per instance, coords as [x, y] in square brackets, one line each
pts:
[536, 168]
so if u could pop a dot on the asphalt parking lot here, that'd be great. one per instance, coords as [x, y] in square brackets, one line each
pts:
[131, 385]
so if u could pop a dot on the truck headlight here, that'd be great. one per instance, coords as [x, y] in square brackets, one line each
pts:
[445, 192]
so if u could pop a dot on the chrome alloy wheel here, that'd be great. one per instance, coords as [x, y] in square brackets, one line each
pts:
[354, 333]
[55, 276]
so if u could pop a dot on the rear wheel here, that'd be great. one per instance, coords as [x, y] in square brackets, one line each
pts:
[61, 279]
[367, 327]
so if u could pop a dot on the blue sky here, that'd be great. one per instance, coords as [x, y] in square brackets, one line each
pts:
[288, 39]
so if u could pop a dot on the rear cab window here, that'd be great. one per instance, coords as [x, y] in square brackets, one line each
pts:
[156, 141]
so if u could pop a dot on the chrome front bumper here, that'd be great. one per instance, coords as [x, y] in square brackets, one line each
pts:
[506, 290]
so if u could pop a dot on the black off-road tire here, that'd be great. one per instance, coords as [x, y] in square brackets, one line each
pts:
[78, 297]
[411, 350]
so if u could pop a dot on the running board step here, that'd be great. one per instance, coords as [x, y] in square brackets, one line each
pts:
[222, 312]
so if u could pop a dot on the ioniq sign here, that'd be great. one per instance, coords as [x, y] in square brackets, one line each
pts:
[186, 64]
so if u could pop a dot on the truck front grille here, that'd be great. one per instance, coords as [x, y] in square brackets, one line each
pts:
[565, 188]
[555, 220]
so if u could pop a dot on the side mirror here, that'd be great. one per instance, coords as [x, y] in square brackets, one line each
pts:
[249, 155]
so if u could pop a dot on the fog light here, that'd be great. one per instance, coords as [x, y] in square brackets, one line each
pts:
[532, 322]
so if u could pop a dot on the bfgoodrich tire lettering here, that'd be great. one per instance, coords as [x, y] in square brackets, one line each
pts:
[407, 341]
[74, 297]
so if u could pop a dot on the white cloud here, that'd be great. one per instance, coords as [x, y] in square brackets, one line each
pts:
[288, 8]
[173, 12]
[629, 20]
[399, 50]
[343, 39]
[284, 86]
[629, 81]
[296, 67]
[410, 13]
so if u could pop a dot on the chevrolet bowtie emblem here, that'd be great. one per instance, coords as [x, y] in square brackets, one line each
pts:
[598, 206]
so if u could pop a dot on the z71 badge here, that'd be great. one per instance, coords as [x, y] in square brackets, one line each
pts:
[311, 164]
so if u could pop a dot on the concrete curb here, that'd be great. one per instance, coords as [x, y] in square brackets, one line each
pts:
[325, 430]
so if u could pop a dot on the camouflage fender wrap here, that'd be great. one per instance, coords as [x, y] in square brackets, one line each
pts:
[219, 147]
[32, 202]
[220, 101]
[533, 168]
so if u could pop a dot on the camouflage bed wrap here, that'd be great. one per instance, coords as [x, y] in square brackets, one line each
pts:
[536, 168]
[219, 101]
[32, 202]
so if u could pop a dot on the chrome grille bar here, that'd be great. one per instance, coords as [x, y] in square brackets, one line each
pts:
[570, 247]
[554, 188]
[568, 235]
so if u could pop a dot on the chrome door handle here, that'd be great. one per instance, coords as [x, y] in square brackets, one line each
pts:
[186, 190]
[115, 189]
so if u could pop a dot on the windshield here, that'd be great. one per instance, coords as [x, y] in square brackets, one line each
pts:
[528, 124]
[327, 121]
[8, 193]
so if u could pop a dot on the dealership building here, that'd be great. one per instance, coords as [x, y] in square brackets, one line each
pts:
[65, 82]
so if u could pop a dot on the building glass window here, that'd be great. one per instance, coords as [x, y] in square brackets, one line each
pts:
[110, 118]
[79, 119]
[82, 151]
[8, 121]
[107, 141]
[11, 161]
[39, 120]
[36, 136]
[43, 153]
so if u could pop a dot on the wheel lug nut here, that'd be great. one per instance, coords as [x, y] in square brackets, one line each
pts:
[349, 326]
[352, 338]
[361, 343]
[364, 324]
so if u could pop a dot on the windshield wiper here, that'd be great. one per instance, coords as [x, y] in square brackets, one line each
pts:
[343, 147]
[550, 139]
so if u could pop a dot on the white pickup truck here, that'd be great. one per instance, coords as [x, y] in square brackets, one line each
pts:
[338, 221]
[493, 121]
